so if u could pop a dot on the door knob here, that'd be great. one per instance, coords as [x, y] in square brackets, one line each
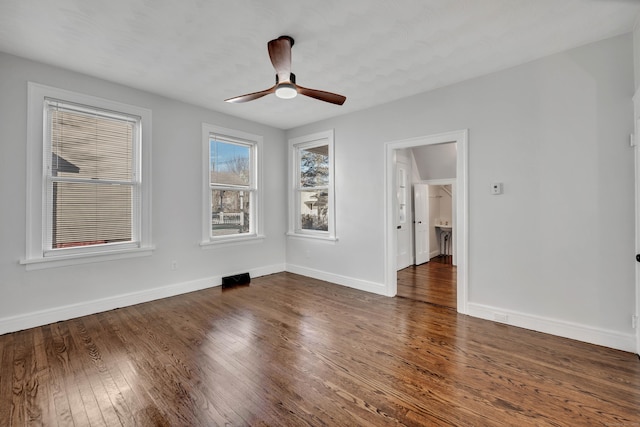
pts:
[638, 257]
[399, 227]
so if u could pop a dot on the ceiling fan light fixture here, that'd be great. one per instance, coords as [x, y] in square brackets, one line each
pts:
[286, 91]
[285, 87]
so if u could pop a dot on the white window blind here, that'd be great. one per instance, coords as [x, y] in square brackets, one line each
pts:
[92, 176]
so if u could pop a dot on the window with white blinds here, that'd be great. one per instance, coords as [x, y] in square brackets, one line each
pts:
[88, 179]
[93, 189]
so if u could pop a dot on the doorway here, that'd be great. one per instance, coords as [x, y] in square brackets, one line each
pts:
[432, 276]
[434, 221]
[459, 241]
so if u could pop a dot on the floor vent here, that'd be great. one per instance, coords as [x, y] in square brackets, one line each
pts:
[238, 279]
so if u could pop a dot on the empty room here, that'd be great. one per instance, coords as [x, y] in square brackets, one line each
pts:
[336, 213]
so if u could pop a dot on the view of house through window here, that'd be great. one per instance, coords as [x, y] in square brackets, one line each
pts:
[313, 190]
[91, 176]
[231, 187]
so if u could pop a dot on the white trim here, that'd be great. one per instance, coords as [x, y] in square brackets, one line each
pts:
[241, 240]
[44, 317]
[575, 331]
[36, 184]
[84, 258]
[257, 208]
[311, 236]
[460, 137]
[443, 181]
[308, 141]
[636, 156]
[350, 282]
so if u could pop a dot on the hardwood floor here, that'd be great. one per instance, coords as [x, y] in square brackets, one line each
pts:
[433, 282]
[293, 351]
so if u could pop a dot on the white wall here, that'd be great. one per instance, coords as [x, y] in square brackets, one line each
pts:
[556, 249]
[445, 213]
[51, 294]
[437, 161]
[434, 217]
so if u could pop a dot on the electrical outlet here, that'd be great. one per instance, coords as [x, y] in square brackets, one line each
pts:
[500, 317]
[634, 321]
[174, 265]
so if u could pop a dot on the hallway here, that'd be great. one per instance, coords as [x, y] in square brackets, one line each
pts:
[433, 282]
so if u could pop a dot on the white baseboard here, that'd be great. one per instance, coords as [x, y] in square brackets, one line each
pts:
[350, 282]
[434, 254]
[44, 317]
[598, 336]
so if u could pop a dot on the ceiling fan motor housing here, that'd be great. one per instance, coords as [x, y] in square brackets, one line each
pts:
[291, 40]
[292, 79]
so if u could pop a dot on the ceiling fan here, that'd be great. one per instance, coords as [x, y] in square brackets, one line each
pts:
[286, 87]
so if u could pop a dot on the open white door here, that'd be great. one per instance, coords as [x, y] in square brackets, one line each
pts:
[421, 218]
[637, 167]
[403, 212]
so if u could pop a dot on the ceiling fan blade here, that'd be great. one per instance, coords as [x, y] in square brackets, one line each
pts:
[333, 98]
[251, 96]
[280, 55]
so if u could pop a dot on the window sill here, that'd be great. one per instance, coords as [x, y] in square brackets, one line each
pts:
[85, 258]
[253, 238]
[312, 236]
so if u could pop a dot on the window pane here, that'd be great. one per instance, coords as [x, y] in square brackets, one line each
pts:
[314, 166]
[90, 146]
[90, 214]
[229, 212]
[314, 210]
[229, 163]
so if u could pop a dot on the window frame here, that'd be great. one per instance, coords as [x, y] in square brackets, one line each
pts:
[38, 254]
[256, 220]
[296, 145]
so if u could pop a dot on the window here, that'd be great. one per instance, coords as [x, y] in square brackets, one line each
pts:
[312, 188]
[91, 197]
[92, 189]
[231, 200]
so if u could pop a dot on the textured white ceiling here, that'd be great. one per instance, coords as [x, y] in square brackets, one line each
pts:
[371, 51]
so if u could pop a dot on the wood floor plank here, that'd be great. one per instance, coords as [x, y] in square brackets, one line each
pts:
[60, 377]
[293, 351]
[434, 282]
[103, 377]
[88, 401]
[121, 368]
[44, 410]
[154, 359]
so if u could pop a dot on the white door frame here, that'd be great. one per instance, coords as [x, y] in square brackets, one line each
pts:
[636, 154]
[460, 137]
